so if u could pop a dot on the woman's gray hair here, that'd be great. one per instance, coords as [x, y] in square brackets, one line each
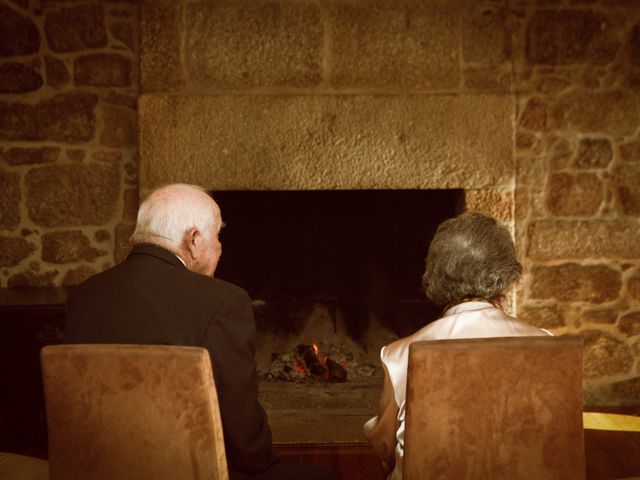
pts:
[470, 256]
[171, 211]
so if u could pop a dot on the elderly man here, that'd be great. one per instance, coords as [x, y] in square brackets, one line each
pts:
[165, 293]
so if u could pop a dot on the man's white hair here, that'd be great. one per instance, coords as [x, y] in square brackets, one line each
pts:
[171, 211]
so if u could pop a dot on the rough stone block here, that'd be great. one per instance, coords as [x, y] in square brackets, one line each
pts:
[14, 250]
[561, 152]
[122, 99]
[67, 195]
[551, 240]
[483, 38]
[521, 206]
[131, 169]
[326, 142]
[633, 287]
[626, 181]
[18, 34]
[102, 236]
[21, 3]
[9, 199]
[531, 171]
[120, 126]
[594, 153]
[102, 70]
[32, 279]
[565, 37]
[553, 85]
[632, 79]
[57, 74]
[525, 141]
[389, 44]
[68, 246]
[108, 156]
[233, 44]
[67, 117]
[76, 28]
[161, 64]
[614, 112]
[486, 78]
[604, 354]
[534, 116]
[497, 203]
[18, 78]
[578, 195]
[635, 45]
[30, 156]
[630, 152]
[124, 33]
[75, 154]
[130, 209]
[571, 282]
[123, 247]
[603, 316]
[626, 392]
[629, 324]
[542, 317]
[76, 276]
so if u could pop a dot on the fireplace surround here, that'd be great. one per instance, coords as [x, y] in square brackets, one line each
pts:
[303, 119]
[427, 94]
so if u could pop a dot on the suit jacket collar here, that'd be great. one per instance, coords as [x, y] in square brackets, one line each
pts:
[158, 252]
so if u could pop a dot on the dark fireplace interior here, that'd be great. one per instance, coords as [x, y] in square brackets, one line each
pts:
[339, 269]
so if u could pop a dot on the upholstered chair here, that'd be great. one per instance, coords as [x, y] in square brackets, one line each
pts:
[119, 412]
[495, 408]
[22, 467]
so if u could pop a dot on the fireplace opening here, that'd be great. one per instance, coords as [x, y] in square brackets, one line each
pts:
[337, 270]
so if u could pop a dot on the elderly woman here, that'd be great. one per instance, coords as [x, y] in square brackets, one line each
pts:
[470, 265]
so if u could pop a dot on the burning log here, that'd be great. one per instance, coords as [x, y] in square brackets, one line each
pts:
[320, 365]
[311, 360]
[337, 372]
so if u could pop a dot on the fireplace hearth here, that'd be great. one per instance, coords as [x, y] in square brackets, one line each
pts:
[337, 269]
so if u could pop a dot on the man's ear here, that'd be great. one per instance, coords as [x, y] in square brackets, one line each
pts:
[192, 239]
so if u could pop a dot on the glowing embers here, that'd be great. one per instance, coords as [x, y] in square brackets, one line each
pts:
[310, 363]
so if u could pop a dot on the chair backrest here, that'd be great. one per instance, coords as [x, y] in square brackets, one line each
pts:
[118, 412]
[498, 408]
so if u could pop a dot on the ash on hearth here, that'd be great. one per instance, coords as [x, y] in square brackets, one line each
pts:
[307, 363]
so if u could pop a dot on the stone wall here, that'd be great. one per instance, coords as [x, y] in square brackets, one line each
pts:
[260, 90]
[325, 95]
[577, 83]
[68, 138]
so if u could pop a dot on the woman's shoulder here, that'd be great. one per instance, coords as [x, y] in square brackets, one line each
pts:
[400, 348]
[527, 330]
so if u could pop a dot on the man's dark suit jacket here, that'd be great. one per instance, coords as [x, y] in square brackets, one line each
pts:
[152, 298]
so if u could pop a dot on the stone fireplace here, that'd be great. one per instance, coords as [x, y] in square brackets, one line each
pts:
[306, 116]
[530, 110]
[478, 96]
[299, 96]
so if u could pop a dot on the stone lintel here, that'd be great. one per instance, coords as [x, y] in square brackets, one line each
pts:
[326, 142]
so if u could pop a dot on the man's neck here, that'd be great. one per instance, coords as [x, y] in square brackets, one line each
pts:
[168, 245]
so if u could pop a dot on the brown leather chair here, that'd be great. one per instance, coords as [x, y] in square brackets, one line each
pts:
[495, 408]
[118, 412]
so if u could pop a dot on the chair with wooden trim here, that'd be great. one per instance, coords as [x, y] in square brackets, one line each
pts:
[498, 408]
[132, 412]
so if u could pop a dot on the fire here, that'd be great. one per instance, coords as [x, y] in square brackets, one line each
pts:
[322, 357]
